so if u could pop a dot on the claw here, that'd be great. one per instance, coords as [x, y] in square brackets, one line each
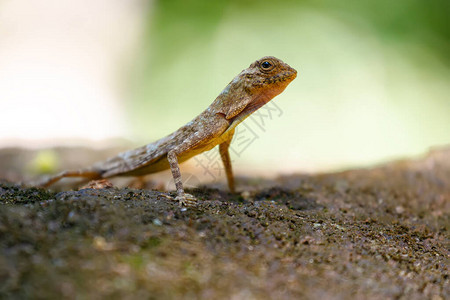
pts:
[186, 200]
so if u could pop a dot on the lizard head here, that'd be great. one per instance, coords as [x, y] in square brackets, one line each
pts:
[268, 76]
[253, 87]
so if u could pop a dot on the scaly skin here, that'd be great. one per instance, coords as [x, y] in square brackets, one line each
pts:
[252, 88]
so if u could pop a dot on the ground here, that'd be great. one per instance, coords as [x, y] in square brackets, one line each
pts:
[379, 233]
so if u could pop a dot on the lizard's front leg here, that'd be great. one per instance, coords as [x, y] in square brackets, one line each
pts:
[182, 198]
[201, 136]
[225, 155]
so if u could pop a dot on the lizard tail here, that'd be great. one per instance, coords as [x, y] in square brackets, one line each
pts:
[87, 174]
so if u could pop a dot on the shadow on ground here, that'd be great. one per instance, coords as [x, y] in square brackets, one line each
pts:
[373, 234]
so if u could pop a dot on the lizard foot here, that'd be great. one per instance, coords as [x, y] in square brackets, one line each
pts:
[187, 200]
[97, 184]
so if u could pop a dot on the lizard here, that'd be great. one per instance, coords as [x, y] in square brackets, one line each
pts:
[248, 91]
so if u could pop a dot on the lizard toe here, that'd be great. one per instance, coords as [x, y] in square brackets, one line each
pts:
[187, 200]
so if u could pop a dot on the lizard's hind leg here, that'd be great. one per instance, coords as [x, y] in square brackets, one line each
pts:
[87, 174]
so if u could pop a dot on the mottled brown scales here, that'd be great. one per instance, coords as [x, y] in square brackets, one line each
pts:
[247, 92]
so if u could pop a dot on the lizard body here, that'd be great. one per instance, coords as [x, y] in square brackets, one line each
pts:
[248, 91]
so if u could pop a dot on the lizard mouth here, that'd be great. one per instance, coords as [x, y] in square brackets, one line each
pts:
[288, 75]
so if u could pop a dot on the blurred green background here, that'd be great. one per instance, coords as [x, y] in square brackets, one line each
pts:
[373, 78]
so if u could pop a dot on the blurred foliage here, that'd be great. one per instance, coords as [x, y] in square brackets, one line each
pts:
[45, 162]
[179, 24]
[373, 74]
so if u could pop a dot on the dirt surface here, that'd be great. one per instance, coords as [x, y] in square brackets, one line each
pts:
[380, 233]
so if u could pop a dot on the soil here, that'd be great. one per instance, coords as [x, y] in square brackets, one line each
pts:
[379, 233]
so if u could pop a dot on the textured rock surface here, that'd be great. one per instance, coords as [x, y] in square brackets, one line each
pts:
[374, 234]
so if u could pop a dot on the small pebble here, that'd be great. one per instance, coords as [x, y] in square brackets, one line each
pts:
[399, 209]
[157, 222]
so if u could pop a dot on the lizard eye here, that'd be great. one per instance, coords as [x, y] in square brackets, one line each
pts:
[266, 65]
